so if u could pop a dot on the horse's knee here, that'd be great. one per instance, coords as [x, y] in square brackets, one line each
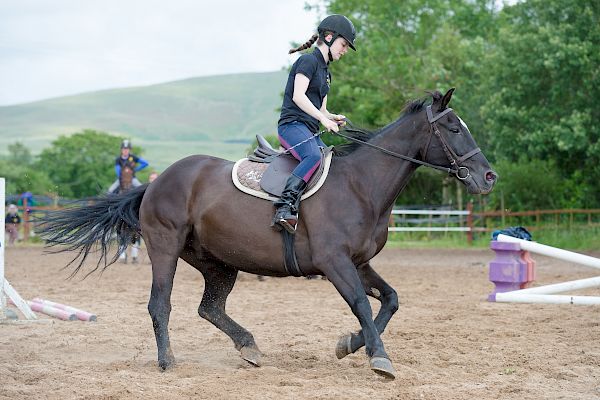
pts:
[203, 312]
[360, 305]
[207, 311]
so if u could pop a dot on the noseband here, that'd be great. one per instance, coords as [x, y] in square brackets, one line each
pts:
[455, 168]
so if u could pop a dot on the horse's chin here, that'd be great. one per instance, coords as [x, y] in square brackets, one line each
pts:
[473, 187]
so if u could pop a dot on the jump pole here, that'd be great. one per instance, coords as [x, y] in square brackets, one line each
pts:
[5, 288]
[549, 251]
[545, 294]
[80, 314]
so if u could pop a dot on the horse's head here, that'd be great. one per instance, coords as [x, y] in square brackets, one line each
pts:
[126, 179]
[450, 143]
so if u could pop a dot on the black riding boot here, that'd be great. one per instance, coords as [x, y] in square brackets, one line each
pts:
[286, 213]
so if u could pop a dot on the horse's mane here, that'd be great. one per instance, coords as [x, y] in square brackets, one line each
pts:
[341, 150]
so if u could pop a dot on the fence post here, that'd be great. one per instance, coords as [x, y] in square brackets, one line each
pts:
[470, 223]
[25, 221]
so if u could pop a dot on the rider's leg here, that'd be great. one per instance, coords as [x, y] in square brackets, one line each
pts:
[114, 186]
[309, 155]
[135, 182]
[135, 249]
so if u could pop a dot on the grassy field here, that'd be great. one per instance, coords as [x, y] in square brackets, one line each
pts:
[218, 115]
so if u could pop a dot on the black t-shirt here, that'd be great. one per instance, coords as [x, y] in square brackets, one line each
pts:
[12, 219]
[130, 161]
[314, 67]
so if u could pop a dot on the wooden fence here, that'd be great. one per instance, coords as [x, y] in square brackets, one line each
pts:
[469, 221]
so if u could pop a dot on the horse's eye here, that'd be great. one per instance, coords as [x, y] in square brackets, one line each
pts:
[454, 130]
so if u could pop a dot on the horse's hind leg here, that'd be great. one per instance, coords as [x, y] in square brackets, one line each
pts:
[218, 283]
[375, 287]
[163, 255]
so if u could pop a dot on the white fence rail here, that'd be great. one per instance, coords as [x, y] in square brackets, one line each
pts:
[430, 221]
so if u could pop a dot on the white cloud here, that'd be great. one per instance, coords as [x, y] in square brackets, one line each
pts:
[61, 47]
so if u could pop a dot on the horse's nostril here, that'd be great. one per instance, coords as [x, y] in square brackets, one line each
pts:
[490, 176]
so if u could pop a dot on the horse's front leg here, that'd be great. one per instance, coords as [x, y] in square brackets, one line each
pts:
[376, 287]
[344, 276]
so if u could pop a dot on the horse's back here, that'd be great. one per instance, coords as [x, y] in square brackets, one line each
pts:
[174, 188]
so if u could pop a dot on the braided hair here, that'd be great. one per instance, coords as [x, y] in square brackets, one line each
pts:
[306, 45]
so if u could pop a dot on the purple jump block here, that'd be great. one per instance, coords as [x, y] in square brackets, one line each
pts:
[508, 271]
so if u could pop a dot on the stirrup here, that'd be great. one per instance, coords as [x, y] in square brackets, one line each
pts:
[285, 224]
[280, 221]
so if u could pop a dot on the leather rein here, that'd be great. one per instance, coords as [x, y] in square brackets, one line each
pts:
[455, 168]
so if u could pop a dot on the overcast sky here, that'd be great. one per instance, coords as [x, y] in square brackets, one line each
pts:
[59, 47]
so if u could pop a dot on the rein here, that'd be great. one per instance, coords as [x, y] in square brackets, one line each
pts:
[391, 153]
[454, 159]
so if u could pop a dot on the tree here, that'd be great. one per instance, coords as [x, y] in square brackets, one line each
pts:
[23, 178]
[19, 154]
[82, 164]
[20, 172]
[543, 77]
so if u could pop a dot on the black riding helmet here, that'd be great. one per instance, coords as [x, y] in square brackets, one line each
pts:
[126, 144]
[340, 26]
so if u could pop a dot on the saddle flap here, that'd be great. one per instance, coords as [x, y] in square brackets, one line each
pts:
[274, 179]
[276, 175]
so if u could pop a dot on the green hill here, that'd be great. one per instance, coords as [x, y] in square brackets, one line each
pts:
[217, 115]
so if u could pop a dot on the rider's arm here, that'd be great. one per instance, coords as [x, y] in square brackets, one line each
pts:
[141, 164]
[300, 86]
[338, 118]
[118, 170]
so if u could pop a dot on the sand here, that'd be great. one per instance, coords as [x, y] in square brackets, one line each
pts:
[446, 341]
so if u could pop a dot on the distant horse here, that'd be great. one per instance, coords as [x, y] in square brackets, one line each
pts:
[125, 184]
[126, 179]
[194, 212]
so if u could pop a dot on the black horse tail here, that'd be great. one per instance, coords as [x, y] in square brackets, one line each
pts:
[94, 225]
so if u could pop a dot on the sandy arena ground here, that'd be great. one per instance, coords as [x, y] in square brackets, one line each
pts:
[446, 342]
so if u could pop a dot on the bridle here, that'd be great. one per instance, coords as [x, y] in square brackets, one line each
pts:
[454, 159]
[455, 168]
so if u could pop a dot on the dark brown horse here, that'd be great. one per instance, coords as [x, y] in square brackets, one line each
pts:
[194, 212]
[126, 179]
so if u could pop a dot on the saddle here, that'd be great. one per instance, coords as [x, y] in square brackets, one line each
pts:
[263, 173]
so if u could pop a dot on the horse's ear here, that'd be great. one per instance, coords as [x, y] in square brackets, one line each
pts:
[446, 99]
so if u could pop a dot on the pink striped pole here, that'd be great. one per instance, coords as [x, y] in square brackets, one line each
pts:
[51, 311]
[80, 314]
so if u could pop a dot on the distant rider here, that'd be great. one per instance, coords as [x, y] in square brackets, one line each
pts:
[130, 160]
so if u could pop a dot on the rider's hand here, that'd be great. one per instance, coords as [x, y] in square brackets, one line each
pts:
[340, 119]
[330, 125]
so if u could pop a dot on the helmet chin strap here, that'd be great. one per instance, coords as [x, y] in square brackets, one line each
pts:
[329, 44]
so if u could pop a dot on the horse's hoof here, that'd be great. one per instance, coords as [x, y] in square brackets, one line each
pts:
[165, 364]
[252, 355]
[167, 360]
[344, 346]
[383, 367]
